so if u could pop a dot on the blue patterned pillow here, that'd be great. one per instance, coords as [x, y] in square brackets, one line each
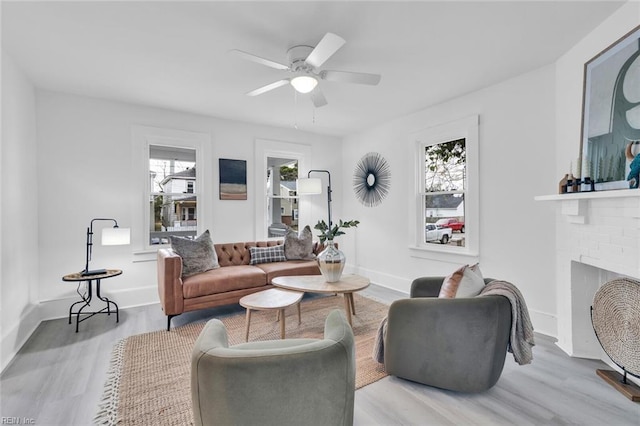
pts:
[266, 254]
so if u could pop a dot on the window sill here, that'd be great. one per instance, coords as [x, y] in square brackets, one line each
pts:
[147, 255]
[445, 254]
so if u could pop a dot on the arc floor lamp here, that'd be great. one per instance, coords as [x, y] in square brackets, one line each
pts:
[313, 186]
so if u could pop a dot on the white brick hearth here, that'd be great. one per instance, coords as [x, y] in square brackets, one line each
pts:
[597, 239]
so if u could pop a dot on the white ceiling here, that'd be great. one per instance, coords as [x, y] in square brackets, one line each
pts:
[175, 54]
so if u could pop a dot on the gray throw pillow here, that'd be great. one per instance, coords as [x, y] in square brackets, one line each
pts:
[299, 247]
[266, 254]
[197, 255]
[465, 281]
[472, 282]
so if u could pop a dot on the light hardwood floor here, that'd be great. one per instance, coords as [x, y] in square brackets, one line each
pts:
[57, 379]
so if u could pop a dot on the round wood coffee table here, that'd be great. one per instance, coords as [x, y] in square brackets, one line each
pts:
[269, 300]
[347, 285]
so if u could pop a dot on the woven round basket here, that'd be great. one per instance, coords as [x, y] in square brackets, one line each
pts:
[616, 320]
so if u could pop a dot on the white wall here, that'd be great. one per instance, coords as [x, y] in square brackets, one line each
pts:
[85, 170]
[569, 81]
[517, 122]
[18, 211]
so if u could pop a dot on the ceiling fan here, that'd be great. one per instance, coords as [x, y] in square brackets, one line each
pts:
[304, 64]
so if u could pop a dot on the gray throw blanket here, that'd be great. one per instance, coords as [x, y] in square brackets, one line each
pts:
[378, 344]
[520, 340]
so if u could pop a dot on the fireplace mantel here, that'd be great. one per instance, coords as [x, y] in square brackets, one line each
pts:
[575, 205]
[619, 193]
[597, 238]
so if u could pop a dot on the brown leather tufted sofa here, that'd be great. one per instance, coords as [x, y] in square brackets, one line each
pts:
[225, 285]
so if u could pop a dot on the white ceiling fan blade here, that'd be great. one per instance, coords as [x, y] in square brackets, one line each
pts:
[329, 45]
[350, 77]
[263, 89]
[259, 60]
[318, 99]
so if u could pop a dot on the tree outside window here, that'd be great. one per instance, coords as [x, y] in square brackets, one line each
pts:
[447, 191]
[444, 192]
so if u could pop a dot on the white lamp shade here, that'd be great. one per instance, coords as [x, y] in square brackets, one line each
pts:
[304, 83]
[309, 186]
[116, 236]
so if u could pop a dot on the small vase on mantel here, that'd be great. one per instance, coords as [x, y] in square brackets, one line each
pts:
[331, 262]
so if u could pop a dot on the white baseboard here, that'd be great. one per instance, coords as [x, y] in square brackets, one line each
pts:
[14, 338]
[383, 280]
[17, 336]
[544, 323]
[128, 298]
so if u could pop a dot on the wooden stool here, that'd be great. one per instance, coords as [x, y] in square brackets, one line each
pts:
[267, 300]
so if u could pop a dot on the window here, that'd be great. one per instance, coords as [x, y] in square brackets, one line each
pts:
[282, 174]
[444, 188]
[171, 191]
[189, 214]
[277, 166]
[446, 214]
[172, 200]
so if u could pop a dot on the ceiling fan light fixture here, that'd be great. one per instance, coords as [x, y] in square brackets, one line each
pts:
[304, 83]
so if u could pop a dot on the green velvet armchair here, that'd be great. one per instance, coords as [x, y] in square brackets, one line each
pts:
[278, 382]
[454, 344]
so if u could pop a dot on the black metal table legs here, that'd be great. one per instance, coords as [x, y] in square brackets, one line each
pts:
[86, 301]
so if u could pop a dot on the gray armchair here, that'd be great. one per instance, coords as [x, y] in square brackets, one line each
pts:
[279, 382]
[455, 344]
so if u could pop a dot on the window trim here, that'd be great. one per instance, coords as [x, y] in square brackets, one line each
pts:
[143, 137]
[468, 129]
[271, 148]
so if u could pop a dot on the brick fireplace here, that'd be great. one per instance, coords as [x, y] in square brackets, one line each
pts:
[597, 239]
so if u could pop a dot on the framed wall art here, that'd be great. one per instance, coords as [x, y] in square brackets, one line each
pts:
[610, 137]
[233, 179]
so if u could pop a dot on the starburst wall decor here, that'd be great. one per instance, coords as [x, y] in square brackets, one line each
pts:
[371, 179]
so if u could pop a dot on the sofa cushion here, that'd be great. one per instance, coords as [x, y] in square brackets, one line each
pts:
[465, 281]
[222, 280]
[299, 247]
[266, 254]
[197, 255]
[291, 267]
[230, 254]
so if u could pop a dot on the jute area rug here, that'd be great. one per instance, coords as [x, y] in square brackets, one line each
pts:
[149, 377]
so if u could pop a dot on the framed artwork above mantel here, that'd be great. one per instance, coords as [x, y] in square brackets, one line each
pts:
[610, 136]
